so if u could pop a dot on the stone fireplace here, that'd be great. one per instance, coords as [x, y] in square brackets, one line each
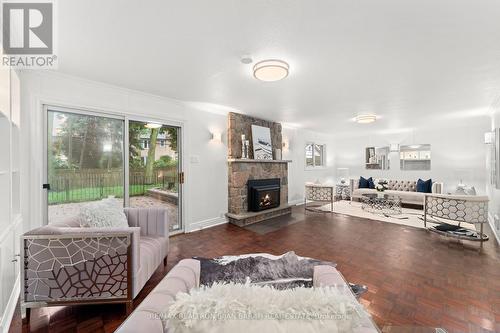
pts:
[258, 189]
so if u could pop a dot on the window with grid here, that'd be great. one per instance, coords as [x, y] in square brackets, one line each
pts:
[315, 155]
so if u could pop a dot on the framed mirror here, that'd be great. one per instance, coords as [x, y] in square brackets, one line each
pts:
[415, 157]
[377, 158]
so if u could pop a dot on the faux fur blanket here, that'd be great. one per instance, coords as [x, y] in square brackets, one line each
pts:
[250, 308]
[282, 272]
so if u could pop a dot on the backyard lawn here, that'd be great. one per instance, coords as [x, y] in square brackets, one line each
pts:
[96, 193]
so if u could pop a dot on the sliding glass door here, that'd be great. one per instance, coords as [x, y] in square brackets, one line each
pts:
[154, 168]
[86, 161]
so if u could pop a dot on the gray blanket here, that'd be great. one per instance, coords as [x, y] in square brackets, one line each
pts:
[282, 272]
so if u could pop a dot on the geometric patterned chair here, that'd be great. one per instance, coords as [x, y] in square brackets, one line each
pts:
[66, 264]
[461, 208]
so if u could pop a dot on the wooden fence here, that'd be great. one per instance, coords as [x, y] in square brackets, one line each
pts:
[94, 184]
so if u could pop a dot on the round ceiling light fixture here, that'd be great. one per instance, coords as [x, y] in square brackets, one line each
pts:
[270, 70]
[365, 118]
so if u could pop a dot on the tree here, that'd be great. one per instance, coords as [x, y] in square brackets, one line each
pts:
[153, 138]
[172, 137]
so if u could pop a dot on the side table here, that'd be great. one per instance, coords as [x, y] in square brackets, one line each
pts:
[342, 192]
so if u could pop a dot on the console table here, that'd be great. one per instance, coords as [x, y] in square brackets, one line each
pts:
[319, 193]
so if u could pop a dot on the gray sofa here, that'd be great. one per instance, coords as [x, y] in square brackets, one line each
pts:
[405, 189]
[67, 264]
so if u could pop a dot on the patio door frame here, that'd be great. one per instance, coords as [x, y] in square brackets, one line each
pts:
[126, 118]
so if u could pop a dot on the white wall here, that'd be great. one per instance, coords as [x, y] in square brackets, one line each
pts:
[455, 148]
[493, 193]
[206, 180]
[298, 175]
[11, 225]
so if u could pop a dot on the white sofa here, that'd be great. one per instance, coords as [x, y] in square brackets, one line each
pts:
[405, 189]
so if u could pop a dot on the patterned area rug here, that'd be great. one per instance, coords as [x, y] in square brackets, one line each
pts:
[409, 217]
[281, 272]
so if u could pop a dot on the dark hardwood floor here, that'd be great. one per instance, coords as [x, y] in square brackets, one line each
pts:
[414, 277]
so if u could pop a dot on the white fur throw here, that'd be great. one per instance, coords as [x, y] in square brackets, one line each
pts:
[105, 213]
[250, 308]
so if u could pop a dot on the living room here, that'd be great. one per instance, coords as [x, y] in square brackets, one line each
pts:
[349, 149]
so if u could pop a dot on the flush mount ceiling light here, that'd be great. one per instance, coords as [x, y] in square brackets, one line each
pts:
[153, 125]
[365, 118]
[270, 70]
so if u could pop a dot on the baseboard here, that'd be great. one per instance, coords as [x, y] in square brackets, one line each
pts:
[208, 223]
[10, 308]
[491, 221]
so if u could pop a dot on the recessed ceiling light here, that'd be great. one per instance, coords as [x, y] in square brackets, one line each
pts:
[153, 125]
[271, 70]
[365, 118]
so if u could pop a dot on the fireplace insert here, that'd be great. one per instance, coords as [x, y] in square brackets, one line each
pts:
[263, 194]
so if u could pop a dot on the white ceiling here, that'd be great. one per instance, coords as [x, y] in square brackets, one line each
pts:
[403, 60]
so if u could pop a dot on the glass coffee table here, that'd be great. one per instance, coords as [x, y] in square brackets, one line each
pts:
[381, 204]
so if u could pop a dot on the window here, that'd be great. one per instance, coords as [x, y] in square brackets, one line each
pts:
[315, 155]
[145, 144]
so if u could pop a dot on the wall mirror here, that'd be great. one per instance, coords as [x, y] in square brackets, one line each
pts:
[377, 158]
[415, 157]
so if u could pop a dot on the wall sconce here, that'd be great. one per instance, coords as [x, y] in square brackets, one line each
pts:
[217, 136]
[285, 144]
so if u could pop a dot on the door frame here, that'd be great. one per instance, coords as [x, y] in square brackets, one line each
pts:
[54, 106]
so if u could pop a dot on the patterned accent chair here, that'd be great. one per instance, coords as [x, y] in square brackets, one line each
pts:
[405, 189]
[67, 264]
[471, 209]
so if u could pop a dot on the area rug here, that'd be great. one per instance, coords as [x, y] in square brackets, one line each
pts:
[281, 272]
[409, 217]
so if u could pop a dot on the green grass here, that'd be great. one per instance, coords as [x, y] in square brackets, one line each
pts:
[95, 193]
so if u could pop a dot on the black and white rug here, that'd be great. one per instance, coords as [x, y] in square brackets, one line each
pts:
[281, 272]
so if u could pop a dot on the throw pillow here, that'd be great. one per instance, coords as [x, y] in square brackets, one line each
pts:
[243, 307]
[424, 186]
[104, 213]
[366, 183]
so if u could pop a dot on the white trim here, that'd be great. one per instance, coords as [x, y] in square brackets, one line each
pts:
[208, 223]
[10, 308]
[491, 222]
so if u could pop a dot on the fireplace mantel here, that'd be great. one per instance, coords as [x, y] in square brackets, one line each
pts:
[239, 160]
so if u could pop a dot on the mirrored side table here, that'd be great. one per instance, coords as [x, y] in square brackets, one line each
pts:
[342, 192]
